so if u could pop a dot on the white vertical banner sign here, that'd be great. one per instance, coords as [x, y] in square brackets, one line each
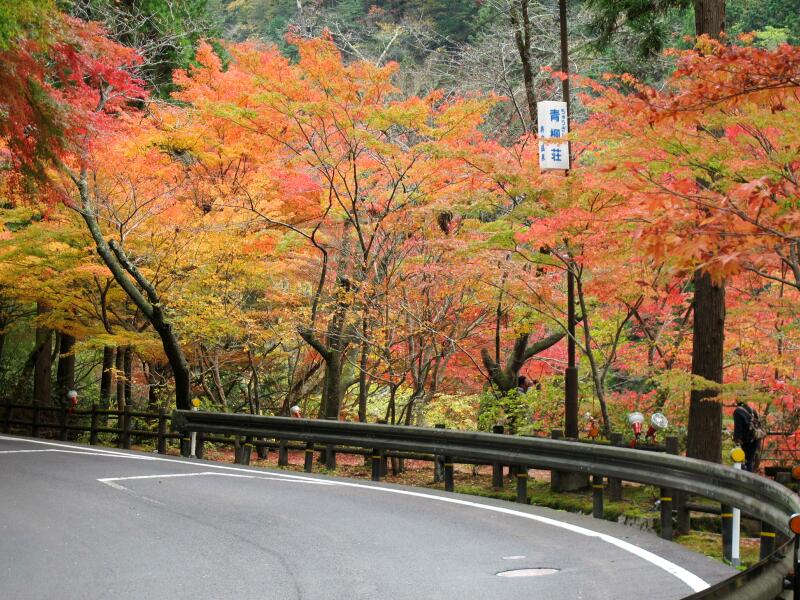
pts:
[552, 117]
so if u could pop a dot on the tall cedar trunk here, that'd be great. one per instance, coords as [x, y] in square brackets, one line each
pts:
[709, 17]
[65, 374]
[128, 366]
[107, 376]
[705, 412]
[119, 368]
[42, 367]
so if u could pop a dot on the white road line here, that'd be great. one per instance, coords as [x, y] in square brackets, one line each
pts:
[212, 474]
[26, 451]
[690, 579]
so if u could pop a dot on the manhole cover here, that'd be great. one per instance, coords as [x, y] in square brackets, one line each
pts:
[527, 572]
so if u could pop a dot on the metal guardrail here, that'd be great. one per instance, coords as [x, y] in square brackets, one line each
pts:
[761, 498]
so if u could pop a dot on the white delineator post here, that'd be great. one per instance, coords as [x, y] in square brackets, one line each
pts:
[192, 453]
[737, 454]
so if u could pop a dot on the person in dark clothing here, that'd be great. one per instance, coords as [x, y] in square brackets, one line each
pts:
[745, 418]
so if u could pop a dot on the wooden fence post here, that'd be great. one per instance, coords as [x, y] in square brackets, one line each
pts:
[93, 426]
[127, 422]
[161, 440]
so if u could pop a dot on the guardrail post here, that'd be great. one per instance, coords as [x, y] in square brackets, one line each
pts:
[614, 484]
[186, 445]
[62, 435]
[555, 476]
[597, 496]
[93, 426]
[679, 497]
[161, 440]
[376, 464]
[200, 445]
[35, 420]
[726, 524]
[308, 463]
[283, 454]
[330, 455]
[448, 474]
[245, 450]
[262, 450]
[438, 462]
[7, 421]
[767, 541]
[127, 425]
[666, 513]
[497, 468]
[522, 484]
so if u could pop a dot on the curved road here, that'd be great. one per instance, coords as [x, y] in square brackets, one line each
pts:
[82, 522]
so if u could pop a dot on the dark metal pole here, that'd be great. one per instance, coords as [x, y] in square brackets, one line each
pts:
[571, 373]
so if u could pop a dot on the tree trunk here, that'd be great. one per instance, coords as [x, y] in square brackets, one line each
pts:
[119, 370]
[333, 385]
[128, 366]
[705, 412]
[520, 21]
[42, 367]
[107, 376]
[709, 17]
[65, 374]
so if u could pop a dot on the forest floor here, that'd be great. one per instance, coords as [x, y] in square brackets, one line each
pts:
[637, 509]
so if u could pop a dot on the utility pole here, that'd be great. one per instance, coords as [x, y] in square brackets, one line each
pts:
[571, 372]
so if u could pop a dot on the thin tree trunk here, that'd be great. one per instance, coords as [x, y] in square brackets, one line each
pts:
[42, 368]
[119, 369]
[65, 373]
[107, 376]
[128, 366]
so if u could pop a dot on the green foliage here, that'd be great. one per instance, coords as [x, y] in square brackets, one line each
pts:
[24, 18]
[765, 16]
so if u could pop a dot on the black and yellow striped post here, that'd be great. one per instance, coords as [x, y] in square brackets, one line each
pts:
[767, 540]
[283, 454]
[376, 464]
[497, 468]
[726, 516]
[449, 485]
[666, 513]
[597, 496]
[522, 485]
[308, 462]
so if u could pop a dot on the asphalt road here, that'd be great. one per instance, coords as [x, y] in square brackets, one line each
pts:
[85, 523]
